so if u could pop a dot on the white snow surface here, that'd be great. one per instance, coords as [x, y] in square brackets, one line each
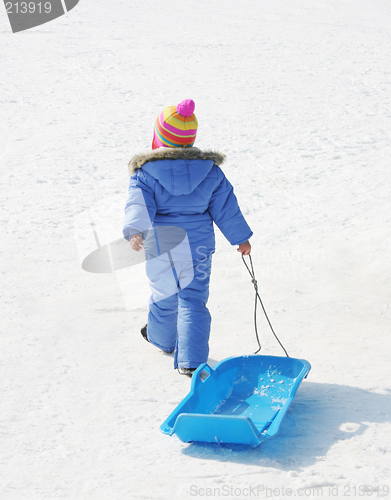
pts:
[297, 94]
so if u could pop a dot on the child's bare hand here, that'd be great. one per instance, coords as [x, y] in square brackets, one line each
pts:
[136, 242]
[245, 248]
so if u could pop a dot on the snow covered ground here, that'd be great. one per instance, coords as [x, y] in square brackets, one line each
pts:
[297, 94]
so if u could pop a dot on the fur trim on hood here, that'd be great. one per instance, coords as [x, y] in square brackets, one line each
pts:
[174, 154]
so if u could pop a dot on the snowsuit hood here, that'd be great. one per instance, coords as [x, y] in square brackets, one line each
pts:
[178, 170]
[174, 154]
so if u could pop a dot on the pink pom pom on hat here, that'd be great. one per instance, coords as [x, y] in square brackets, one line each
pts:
[176, 126]
[186, 108]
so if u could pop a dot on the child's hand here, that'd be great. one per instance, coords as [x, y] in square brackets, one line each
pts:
[136, 242]
[245, 248]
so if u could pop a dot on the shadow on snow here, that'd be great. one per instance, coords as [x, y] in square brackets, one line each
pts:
[320, 416]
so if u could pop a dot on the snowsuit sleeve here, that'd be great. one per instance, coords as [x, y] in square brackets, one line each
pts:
[225, 212]
[140, 207]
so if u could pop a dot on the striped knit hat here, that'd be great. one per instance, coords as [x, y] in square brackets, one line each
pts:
[176, 126]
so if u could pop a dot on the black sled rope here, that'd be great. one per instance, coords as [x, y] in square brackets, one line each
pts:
[257, 297]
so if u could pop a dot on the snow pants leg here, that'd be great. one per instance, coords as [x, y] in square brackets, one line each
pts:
[163, 304]
[194, 318]
[180, 320]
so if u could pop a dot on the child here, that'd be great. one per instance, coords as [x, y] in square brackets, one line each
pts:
[179, 186]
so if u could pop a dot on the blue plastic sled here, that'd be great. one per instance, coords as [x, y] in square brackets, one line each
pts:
[241, 401]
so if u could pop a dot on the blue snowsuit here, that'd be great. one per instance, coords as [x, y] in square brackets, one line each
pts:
[181, 188]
